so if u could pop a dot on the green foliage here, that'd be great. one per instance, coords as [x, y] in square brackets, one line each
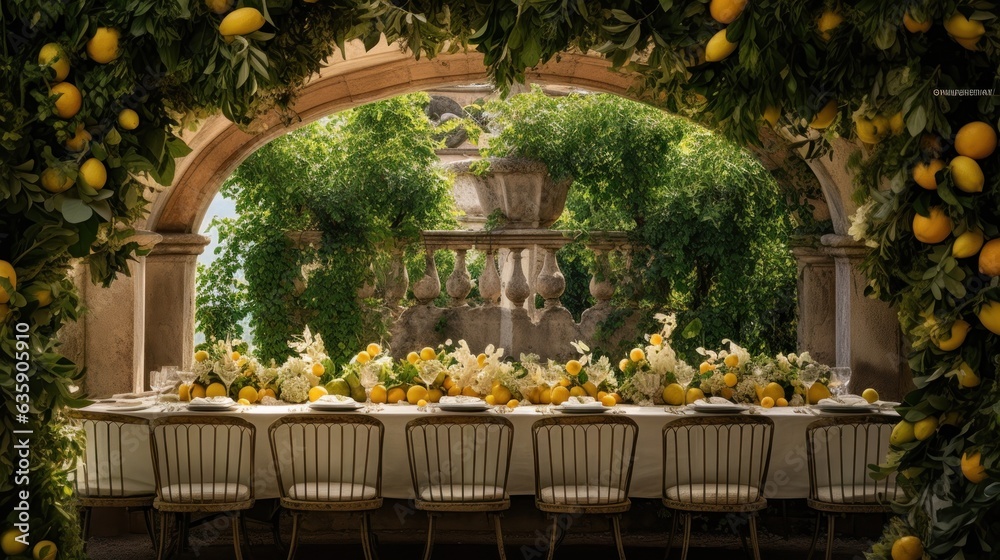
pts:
[366, 180]
[709, 222]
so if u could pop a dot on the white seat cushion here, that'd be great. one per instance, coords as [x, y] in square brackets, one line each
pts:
[857, 494]
[582, 494]
[106, 492]
[331, 491]
[711, 493]
[461, 493]
[205, 492]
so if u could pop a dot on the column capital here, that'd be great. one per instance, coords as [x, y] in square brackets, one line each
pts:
[844, 246]
[180, 244]
[146, 239]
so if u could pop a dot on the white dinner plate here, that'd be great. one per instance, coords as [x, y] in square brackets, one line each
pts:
[717, 408]
[124, 406]
[336, 407]
[858, 409]
[464, 407]
[210, 407]
[588, 408]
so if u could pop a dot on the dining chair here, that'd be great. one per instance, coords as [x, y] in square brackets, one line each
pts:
[715, 464]
[331, 463]
[583, 466]
[202, 464]
[840, 450]
[459, 464]
[99, 479]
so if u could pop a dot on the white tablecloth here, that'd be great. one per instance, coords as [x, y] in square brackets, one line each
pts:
[788, 476]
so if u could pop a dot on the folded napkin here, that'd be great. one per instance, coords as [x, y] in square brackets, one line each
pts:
[460, 399]
[336, 399]
[577, 401]
[211, 400]
[134, 395]
[846, 400]
[714, 400]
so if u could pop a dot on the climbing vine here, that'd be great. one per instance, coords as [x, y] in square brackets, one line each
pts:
[76, 168]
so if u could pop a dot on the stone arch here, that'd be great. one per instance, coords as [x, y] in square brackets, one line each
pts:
[837, 322]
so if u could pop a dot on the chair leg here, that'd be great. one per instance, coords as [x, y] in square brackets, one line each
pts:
[163, 536]
[276, 529]
[294, 542]
[687, 536]
[237, 546]
[366, 545]
[753, 536]
[743, 543]
[245, 534]
[673, 529]
[181, 519]
[831, 525]
[499, 533]
[430, 536]
[372, 537]
[616, 528]
[147, 517]
[812, 547]
[553, 537]
[85, 525]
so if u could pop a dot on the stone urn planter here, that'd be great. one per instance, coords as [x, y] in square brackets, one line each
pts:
[521, 189]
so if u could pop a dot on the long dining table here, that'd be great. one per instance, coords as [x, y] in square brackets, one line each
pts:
[787, 478]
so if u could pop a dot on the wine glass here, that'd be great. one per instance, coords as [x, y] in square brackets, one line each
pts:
[227, 376]
[162, 381]
[187, 378]
[840, 379]
[809, 375]
[368, 377]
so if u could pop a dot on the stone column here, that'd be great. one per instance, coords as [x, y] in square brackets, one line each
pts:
[170, 291]
[869, 338]
[115, 329]
[817, 303]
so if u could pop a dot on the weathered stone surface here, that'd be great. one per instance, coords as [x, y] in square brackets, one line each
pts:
[520, 189]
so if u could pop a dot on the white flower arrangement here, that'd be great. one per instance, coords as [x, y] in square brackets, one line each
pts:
[295, 389]
[859, 224]
[310, 347]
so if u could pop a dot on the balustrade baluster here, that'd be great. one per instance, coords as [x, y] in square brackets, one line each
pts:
[489, 282]
[550, 283]
[459, 284]
[601, 286]
[427, 289]
[397, 280]
[517, 287]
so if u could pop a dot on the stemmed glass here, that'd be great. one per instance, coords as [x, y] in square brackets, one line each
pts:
[840, 379]
[162, 381]
[808, 375]
[227, 376]
[187, 378]
[368, 377]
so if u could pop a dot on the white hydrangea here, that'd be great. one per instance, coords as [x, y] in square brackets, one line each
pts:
[859, 224]
[662, 359]
[295, 389]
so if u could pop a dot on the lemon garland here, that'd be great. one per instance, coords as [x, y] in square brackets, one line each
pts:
[731, 63]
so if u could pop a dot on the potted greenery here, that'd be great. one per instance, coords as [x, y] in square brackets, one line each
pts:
[519, 189]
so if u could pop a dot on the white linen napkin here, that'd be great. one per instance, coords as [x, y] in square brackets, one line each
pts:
[460, 399]
[714, 400]
[846, 400]
[211, 400]
[134, 395]
[336, 399]
[578, 401]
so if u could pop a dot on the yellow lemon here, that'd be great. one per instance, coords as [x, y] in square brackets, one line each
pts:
[428, 353]
[705, 367]
[434, 395]
[726, 11]
[781, 402]
[959, 329]
[422, 402]
[103, 46]
[656, 339]
[577, 391]
[559, 395]
[673, 394]
[128, 119]
[961, 27]
[870, 395]
[545, 396]
[318, 369]
[902, 433]
[481, 360]
[932, 229]
[972, 467]
[219, 6]
[454, 391]
[914, 26]
[198, 391]
[573, 367]
[989, 316]
[896, 124]
[827, 22]
[951, 418]
[719, 47]
[924, 173]
[563, 381]
[872, 131]
[966, 377]
[235, 356]
[215, 390]
[412, 357]
[966, 174]
[637, 355]
[80, 140]
[4, 310]
[44, 550]
[93, 174]
[772, 114]
[512, 403]
[490, 400]
[623, 364]
[69, 100]
[243, 402]
[416, 393]
[924, 429]
[243, 21]
[774, 390]
[976, 140]
[967, 244]
[316, 392]
[732, 361]
[373, 349]
[609, 400]
[363, 357]
[447, 382]
[200, 356]
[9, 543]
[694, 394]
[184, 392]
[618, 398]
[968, 44]
[767, 402]
[907, 548]
[379, 394]
[56, 181]
[395, 395]
[469, 391]
[590, 388]
[249, 393]
[54, 57]
[501, 394]
[730, 379]
[817, 392]
[825, 117]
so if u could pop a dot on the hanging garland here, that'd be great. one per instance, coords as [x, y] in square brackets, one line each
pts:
[94, 93]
